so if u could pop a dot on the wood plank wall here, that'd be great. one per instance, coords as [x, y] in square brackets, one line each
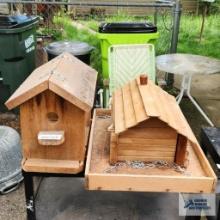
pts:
[188, 6]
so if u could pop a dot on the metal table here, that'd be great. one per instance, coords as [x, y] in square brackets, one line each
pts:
[30, 195]
[188, 65]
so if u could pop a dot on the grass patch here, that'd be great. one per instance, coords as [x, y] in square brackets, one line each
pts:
[69, 32]
[188, 37]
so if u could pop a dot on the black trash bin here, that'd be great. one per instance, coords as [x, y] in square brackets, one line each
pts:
[17, 52]
[81, 50]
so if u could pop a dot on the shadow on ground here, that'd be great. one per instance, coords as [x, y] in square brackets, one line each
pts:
[67, 199]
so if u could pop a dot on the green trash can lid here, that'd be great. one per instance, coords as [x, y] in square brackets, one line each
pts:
[16, 21]
[127, 27]
[76, 48]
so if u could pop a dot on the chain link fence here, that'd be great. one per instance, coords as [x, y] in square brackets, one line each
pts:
[78, 9]
[57, 16]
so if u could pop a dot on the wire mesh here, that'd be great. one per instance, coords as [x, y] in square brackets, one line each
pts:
[48, 10]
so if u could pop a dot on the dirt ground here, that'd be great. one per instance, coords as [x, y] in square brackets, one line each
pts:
[12, 205]
[10, 119]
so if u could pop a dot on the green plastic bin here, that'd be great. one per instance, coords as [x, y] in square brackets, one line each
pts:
[17, 54]
[124, 33]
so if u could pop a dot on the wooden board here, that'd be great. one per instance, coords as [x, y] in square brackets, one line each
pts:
[144, 143]
[198, 177]
[139, 110]
[129, 113]
[113, 148]
[79, 86]
[66, 76]
[36, 83]
[52, 166]
[71, 120]
[119, 107]
[181, 149]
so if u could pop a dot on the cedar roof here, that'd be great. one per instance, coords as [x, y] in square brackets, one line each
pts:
[135, 103]
[66, 76]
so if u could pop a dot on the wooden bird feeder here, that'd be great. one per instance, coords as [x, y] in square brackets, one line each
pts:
[148, 125]
[55, 108]
[145, 124]
[197, 177]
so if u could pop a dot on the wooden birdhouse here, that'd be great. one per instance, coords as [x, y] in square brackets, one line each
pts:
[55, 107]
[148, 125]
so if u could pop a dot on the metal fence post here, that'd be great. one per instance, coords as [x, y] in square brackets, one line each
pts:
[177, 9]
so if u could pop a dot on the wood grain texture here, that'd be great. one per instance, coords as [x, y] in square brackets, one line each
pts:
[150, 133]
[113, 148]
[74, 81]
[146, 153]
[66, 76]
[36, 83]
[141, 147]
[129, 113]
[200, 178]
[152, 103]
[147, 142]
[149, 116]
[52, 166]
[118, 108]
[71, 120]
[138, 106]
[181, 145]
[143, 158]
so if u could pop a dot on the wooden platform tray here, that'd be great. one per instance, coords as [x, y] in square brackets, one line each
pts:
[198, 177]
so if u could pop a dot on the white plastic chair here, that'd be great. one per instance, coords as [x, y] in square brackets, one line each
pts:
[128, 61]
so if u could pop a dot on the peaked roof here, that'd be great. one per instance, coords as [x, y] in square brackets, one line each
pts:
[135, 103]
[66, 76]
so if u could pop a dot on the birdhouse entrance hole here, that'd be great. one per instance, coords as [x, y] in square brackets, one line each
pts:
[52, 116]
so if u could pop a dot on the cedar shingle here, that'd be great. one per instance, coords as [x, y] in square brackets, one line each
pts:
[66, 76]
[135, 103]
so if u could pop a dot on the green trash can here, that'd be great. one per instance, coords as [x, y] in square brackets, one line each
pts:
[124, 33]
[17, 54]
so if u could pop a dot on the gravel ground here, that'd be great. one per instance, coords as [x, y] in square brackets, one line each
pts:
[11, 120]
[12, 205]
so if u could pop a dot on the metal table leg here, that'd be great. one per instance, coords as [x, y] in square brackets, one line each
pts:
[29, 196]
[195, 103]
[185, 89]
[182, 89]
